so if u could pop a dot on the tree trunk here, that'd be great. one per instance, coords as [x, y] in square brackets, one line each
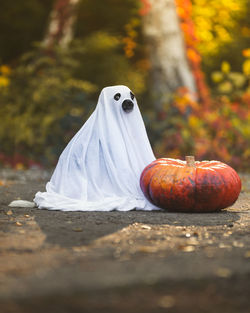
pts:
[170, 69]
[60, 28]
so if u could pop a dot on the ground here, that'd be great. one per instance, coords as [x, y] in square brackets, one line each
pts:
[52, 261]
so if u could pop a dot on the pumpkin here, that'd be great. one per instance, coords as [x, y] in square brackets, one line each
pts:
[190, 186]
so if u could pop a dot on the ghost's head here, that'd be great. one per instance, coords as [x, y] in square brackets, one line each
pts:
[127, 104]
[120, 96]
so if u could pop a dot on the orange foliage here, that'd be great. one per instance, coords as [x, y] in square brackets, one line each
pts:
[184, 10]
[219, 132]
[145, 8]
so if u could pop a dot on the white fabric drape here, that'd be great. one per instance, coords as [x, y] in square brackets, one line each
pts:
[99, 170]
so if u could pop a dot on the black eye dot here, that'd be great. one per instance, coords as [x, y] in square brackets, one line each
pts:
[132, 95]
[117, 96]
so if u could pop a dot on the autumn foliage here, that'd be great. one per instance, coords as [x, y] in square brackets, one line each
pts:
[214, 127]
[42, 94]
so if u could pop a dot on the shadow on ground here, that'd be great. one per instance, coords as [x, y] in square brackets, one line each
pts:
[80, 228]
[69, 229]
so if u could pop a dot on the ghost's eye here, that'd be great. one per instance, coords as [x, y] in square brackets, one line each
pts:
[132, 95]
[117, 96]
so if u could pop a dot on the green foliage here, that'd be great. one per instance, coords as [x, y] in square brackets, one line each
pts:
[102, 61]
[43, 105]
[49, 95]
[21, 23]
[107, 15]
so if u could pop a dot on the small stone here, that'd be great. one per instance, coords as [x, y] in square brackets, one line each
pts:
[22, 204]
[27, 215]
[223, 246]
[19, 224]
[238, 244]
[145, 227]
[187, 235]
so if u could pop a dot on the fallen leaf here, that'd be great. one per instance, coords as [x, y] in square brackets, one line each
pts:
[209, 253]
[79, 249]
[9, 212]
[187, 248]
[19, 224]
[193, 241]
[77, 229]
[223, 272]
[147, 249]
[247, 254]
[166, 301]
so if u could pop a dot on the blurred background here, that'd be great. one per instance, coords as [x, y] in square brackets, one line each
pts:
[188, 62]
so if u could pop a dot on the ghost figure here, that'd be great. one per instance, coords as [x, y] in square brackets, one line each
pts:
[99, 170]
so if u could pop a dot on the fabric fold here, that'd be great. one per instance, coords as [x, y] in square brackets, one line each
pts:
[99, 170]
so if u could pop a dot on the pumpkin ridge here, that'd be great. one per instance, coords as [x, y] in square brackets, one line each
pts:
[148, 189]
[142, 183]
[221, 203]
[149, 186]
[174, 180]
[195, 189]
[235, 178]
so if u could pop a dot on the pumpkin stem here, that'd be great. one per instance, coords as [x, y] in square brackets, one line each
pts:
[190, 160]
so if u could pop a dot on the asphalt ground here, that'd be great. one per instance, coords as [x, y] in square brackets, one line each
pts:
[53, 261]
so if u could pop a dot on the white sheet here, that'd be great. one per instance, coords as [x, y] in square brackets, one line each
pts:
[99, 170]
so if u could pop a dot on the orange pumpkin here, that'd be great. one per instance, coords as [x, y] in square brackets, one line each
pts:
[190, 186]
